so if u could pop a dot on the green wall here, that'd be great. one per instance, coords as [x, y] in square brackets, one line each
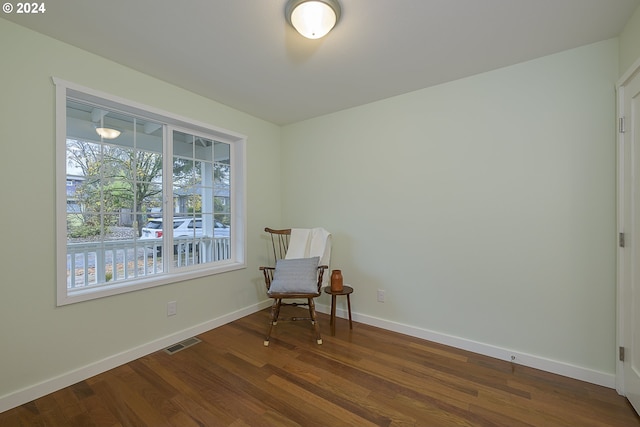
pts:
[42, 341]
[630, 42]
[484, 207]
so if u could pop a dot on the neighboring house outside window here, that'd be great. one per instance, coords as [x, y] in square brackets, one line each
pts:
[123, 187]
[73, 204]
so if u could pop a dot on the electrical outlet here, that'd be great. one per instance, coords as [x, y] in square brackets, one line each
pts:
[172, 308]
[380, 295]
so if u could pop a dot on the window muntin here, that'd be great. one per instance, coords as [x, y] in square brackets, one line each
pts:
[116, 189]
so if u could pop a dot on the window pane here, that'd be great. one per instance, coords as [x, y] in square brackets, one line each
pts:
[151, 200]
[111, 185]
[222, 184]
[196, 178]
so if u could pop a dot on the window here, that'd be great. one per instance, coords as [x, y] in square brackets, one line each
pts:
[129, 170]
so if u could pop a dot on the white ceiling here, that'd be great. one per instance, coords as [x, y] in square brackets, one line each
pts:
[242, 53]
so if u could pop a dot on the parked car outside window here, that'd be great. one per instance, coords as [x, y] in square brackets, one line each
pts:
[182, 227]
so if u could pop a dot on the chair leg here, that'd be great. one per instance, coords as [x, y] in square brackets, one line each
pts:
[273, 319]
[277, 316]
[312, 313]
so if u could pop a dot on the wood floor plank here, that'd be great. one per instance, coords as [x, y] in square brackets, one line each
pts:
[359, 377]
[26, 415]
[498, 418]
[99, 412]
[114, 404]
[323, 402]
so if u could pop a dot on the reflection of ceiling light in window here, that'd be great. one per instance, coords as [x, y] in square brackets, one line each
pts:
[108, 133]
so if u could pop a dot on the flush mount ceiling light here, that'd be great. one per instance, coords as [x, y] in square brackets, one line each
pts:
[312, 18]
[108, 133]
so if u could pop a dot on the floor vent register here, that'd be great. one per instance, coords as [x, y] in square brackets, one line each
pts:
[182, 345]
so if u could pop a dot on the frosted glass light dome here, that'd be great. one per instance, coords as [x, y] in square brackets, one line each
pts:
[313, 18]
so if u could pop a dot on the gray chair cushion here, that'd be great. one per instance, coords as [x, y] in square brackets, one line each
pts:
[298, 275]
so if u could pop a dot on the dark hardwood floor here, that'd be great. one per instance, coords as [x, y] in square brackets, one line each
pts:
[364, 377]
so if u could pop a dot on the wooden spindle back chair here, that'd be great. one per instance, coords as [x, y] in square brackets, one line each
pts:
[280, 242]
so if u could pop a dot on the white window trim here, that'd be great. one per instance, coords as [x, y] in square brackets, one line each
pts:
[238, 197]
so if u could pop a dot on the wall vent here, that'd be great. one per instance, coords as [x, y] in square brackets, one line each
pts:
[182, 345]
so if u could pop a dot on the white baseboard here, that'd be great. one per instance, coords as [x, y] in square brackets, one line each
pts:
[532, 361]
[35, 391]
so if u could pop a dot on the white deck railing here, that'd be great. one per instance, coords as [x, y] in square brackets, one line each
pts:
[94, 263]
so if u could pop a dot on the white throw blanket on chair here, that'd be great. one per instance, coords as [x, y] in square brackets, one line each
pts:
[309, 243]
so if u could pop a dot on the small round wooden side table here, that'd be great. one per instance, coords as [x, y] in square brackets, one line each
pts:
[346, 290]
